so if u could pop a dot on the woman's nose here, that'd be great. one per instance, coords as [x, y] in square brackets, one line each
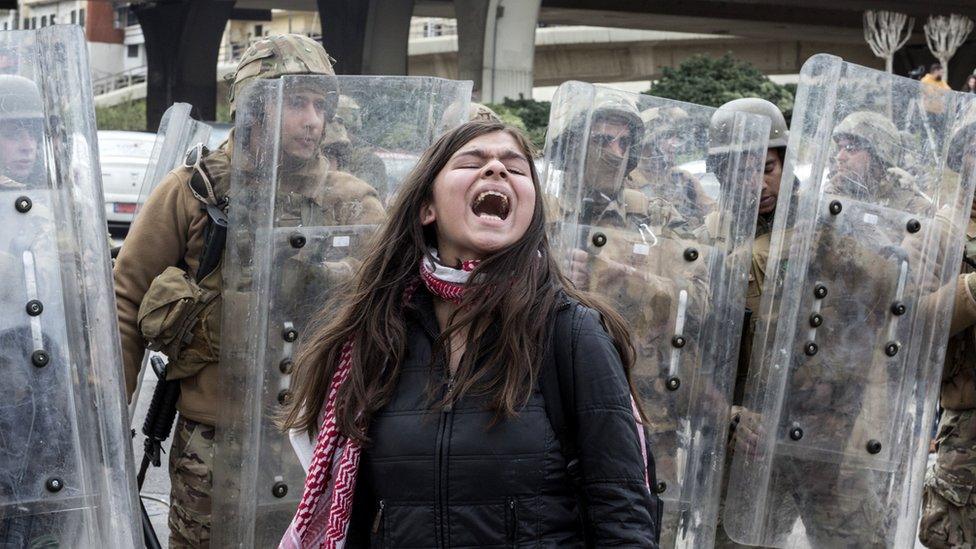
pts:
[495, 167]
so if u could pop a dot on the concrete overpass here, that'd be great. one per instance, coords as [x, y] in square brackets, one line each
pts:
[599, 54]
[496, 36]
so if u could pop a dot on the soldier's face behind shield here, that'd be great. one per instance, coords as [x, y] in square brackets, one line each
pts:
[302, 123]
[483, 198]
[855, 169]
[607, 154]
[772, 174]
[19, 142]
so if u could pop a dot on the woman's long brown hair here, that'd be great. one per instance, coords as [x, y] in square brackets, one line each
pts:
[370, 310]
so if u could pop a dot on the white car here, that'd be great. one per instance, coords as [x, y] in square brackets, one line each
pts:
[124, 157]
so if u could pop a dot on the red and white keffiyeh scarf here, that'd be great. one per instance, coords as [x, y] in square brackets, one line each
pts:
[322, 519]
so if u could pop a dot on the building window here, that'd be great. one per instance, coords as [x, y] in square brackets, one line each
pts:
[74, 17]
[81, 17]
[4, 25]
[132, 50]
[258, 31]
[43, 21]
[33, 22]
[53, 15]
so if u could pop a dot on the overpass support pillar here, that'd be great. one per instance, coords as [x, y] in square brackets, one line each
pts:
[182, 41]
[496, 46]
[366, 36]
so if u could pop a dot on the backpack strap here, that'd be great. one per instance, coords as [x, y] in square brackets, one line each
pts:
[558, 389]
[215, 234]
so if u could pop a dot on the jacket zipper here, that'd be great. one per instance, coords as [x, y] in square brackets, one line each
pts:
[440, 464]
[379, 517]
[513, 521]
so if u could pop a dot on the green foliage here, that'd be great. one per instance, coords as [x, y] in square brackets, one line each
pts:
[526, 114]
[712, 82]
[130, 116]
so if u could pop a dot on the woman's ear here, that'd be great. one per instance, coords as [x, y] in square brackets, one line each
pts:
[427, 215]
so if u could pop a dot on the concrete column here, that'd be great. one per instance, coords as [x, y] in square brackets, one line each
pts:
[366, 36]
[182, 42]
[496, 46]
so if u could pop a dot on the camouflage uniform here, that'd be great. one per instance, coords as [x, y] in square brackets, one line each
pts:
[319, 196]
[191, 475]
[949, 499]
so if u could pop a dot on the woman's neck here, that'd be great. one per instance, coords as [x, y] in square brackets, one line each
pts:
[443, 311]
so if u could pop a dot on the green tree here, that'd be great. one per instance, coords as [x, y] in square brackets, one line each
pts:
[526, 114]
[130, 115]
[708, 81]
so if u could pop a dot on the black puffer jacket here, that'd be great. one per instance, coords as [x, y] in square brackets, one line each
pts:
[446, 479]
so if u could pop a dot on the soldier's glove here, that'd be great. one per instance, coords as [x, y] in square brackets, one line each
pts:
[971, 284]
[902, 178]
[745, 428]
[969, 253]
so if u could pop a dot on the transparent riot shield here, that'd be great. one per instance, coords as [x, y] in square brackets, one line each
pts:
[302, 210]
[65, 469]
[654, 203]
[177, 133]
[855, 314]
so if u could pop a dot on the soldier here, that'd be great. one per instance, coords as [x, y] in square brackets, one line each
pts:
[673, 280]
[743, 421]
[846, 339]
[658, 174]
[948, 503]
[867, 163]
[165, 299]
[66, 475]
[21, 130]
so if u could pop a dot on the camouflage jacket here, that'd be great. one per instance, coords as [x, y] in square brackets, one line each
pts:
[959, 373]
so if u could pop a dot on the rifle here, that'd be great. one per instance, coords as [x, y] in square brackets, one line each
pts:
[156, 428]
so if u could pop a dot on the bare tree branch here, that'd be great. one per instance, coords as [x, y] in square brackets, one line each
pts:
[886, 32]
[944, 36]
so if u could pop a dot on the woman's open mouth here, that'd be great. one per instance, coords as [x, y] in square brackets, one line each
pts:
[491, 204]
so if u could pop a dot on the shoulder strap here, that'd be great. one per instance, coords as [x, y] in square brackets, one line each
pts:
[558, 387]
[215, 235]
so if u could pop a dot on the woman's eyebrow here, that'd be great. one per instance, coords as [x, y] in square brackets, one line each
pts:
[507, 154]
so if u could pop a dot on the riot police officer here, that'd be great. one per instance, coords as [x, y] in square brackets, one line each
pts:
[164, 300]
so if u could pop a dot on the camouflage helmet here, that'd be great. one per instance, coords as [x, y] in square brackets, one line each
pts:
[663, 120]
[779, 134]
[621, 108]
[877, 131]
[349, 113]
[20, 99]
[477, 111]
[280, 55]
[574, 111]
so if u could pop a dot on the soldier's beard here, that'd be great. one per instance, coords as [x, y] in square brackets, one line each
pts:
[604, 172]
